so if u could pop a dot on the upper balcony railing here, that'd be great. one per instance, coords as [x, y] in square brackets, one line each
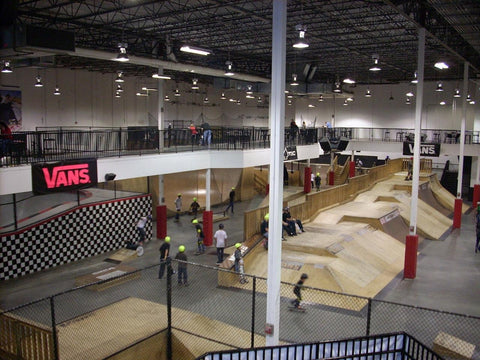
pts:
[63, 143]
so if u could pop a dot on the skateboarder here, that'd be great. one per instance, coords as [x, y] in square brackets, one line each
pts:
[297, 291]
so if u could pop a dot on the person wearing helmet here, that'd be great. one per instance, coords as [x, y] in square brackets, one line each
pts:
[164, 256]
[194, 207]
[220, 237]
[318, 181]
[264, 230]
[178, 207]
[231, 198]
[297, 290]
[409, 169]
[239, 263]
[200, 244]
[142, 222]
[181, 258]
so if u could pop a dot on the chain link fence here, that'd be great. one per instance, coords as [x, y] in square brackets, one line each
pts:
[214, 311]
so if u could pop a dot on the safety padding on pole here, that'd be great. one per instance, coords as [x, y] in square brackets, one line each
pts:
[331, 178]
[411, 248]
[307, 180]
[161, 221]
[267, 189]
[351, 169]
[208, 228]
[476, 195]
[457, 214]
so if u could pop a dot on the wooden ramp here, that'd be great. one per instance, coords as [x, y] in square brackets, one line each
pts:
[120, 274]
[132, 322]
[122, 255]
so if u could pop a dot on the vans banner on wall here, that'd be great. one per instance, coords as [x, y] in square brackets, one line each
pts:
[425, 149]
[290, 153]
[64, 176]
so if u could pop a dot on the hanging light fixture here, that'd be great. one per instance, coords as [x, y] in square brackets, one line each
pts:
[117, 94]
[205, 100]
[410, 94]
[469, 98]
[415, 78]
[439, 86]
[195, 50]
[456, 93]
[229, 71]
[161, 76]
[294, 80]
[259, 99]
[301, 43]
[177, 92]
[407, 101]
[122, 53]
[238, 102]
[223, 97]
[345, 103]
[38, 82]
[368, 93]
[119, 88]
[7, 68]
[337, 87]
[249, 90]
[289, 102]
[167, 98]
[320, 98]
[442, 103]
[348, 80]
[311, 105]
[57, 91]
[375, 66]
[195, 84]
[441, 65]
[119, 78]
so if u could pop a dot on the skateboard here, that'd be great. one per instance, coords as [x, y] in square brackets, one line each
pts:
[293, 308]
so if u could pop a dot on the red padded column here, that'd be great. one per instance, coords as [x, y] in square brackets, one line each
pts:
[351, 169]
[457, 214]
[208, 228]
[476, 195]
[331, 178]
[267, 189]
[307, 182]
[411, 248]
[161, 221]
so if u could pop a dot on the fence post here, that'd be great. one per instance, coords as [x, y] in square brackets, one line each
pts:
[15, 211]
[54, 329]
[252, 331]
[169, 310]
[369, 314]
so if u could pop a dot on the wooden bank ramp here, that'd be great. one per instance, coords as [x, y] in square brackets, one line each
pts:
[137, 326]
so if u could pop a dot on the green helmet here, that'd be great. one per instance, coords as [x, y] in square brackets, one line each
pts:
[267, 216]
[179, 194]
[167, 239]
[181, 248]
[318, 174]
[199, 230]
[194, 221]
[237, 245]
[194, 199]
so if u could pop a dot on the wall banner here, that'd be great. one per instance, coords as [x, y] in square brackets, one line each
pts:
[426, 149]
[64, 176]
[290, 153]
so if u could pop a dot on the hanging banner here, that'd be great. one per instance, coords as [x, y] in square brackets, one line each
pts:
[426, 149]
[290, 153]
[64, 176]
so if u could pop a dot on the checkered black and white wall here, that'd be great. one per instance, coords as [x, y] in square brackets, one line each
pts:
[83, 232]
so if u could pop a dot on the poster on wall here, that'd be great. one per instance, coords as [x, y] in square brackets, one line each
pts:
[11, 108]
[64, 176]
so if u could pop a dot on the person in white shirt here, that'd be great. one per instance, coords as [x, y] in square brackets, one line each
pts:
[142, 222]
[220, 242]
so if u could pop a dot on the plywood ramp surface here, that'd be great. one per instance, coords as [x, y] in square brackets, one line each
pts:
[444, 197]
[112, 328]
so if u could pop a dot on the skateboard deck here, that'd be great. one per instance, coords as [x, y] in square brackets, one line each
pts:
[293, 308]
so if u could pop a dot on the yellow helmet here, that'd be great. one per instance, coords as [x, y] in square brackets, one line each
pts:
[199, 230]
[267, 216]
[318, 174]
[237, 245]
[181, 248]
[194, 221]
[194, 199]
[167, 239]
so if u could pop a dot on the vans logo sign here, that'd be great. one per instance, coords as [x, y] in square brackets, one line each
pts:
[64, 176]
[432, 150]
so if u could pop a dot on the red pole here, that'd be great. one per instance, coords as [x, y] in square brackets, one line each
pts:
[307, 181]
[331, 178]
[267, 189]
[411, 248]
[208, 228]
[351, 170]
[476, 195]
[161, 221]
[457, 214]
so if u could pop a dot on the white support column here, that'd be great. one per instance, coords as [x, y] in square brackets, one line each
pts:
[207, 186]
[418, 126]
[160, 110]
[161, 191]
[277, 124]
[462, 130]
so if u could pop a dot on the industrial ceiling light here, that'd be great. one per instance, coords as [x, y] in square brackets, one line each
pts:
[368, 93]
[345, 103]
[229, 71]
[177, 92]
[441, 65]
[122, 53]
[223, 97]
[442, 103]
[289, 96]
[415, 78]
[195, 50]
[472, 102]
[119, 78]
[294, 80]
[195, 84]
[311, 105]
[439, 87]
[249, 90]
[238, 102]
[161, 76]
[138, 94]
[320, 98]
[205, 100]
[456, 93]
[337, 87]
[38, 82]
[146, 88]
[410, 94]
[166, 98]
[375, 66]
[57, 91]
[301, 43]
[407, 101]
[259, 99]
[117, 94]
[469, 98]
[348, 80]
[250, 96]
[119, 88]
[289, 102]
[350, 98]
[7, 68]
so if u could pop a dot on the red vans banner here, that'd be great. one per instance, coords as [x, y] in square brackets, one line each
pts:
[64, 176]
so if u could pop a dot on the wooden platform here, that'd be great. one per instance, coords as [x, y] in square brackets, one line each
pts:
[107, 273]
[451, 346]
[122, 255]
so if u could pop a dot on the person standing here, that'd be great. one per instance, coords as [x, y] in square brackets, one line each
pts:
[231, 200]
[194, 133]
[194, 206]
[178, 207]
[239, 263]
[6, 138]
[142, 222]
[297, 290]
[207, 133]
[220, 237]
[264, 230]
[164, 256]
[318, 181]
[477, 226]
[200, 243]
[312, 180]
[182, 266]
